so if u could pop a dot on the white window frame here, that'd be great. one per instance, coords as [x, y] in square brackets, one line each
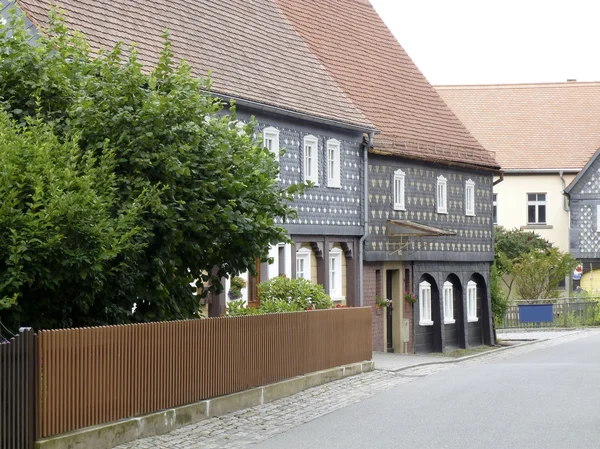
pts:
[597, 218]
[425, 304]
[472, 302]
[448, 296]
[537, 203]
[335, 274]
[399, 190]
[470, 198]
[494, 207]
[311, 165]
[442, 195]
[271, 140]
[334, 177]
[303, 258]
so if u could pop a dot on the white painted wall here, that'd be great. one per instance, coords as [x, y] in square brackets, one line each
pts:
[512, 204]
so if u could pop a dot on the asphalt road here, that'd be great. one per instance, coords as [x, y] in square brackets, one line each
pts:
[547, 398]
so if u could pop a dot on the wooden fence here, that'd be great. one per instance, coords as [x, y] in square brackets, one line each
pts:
[17, 391]
[92, 376]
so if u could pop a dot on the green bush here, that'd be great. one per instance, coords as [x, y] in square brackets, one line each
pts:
[281, 294]
[301, 294]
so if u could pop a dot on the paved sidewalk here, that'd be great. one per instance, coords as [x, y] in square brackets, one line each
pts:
[246, 427]
[534, 334]
[394, 362]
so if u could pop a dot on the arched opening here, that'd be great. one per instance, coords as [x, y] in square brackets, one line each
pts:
[453, 313]
[428, 325]
[478, 313]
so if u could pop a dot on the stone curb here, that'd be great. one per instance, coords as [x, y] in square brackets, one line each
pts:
[107, 436]
[481, 354]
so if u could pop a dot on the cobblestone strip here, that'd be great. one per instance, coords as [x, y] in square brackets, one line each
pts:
[245, 427]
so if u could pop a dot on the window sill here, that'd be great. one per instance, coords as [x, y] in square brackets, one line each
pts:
[537, 226]
[470, 215]
[425, 323]
[400, 208]
[337, 298]
[444, 212]
[472, 320]
[334, 186]
[449, 321]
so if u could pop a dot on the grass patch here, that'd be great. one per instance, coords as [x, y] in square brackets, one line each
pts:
[464, 352]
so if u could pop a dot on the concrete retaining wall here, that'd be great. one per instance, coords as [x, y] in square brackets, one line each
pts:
[107, 436]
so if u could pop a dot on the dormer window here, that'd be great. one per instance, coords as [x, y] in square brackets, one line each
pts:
[470, 198]
[398, 186]
[442, 195]
[311, 159]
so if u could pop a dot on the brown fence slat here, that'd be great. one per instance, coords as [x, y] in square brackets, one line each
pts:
[91, 376]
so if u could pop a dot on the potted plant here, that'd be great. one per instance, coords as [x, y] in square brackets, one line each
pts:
[235, 288]
[410, 298]
[381, 302]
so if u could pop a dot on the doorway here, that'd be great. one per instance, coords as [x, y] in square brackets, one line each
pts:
[389, 287]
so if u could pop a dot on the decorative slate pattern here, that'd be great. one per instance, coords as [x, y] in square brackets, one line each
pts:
[592, 185]
[319, 205]
[589, 239]
[473, 233]
[584, 194]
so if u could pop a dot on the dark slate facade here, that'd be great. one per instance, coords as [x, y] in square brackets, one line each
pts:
[458, 259]
[584, 193]
[327, 216]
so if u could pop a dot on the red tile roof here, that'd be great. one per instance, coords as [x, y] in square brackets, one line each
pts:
[363, 56]
[531, 126]
[251, 49]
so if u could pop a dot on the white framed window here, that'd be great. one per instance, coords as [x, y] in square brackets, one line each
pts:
[448, 295]
[271, 140]
[399, 177]
[425, 304]
[311, 159]
[597, 218]
[442, 195]
[495, 208]
[536, 208]
[303, 264]
[472, 302]
[470, 198]
[333, 164]
[335, 274]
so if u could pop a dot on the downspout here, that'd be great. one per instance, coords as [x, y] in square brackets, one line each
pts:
[566, 207]
[361, 252]
[500, 179]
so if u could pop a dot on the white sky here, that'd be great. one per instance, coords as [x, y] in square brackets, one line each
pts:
[508, 41]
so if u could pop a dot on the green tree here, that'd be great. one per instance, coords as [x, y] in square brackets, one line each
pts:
[66, 257]
[217, 195]
[538, 273]
[509, 246]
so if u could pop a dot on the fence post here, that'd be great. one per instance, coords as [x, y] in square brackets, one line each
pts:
[18, 380]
